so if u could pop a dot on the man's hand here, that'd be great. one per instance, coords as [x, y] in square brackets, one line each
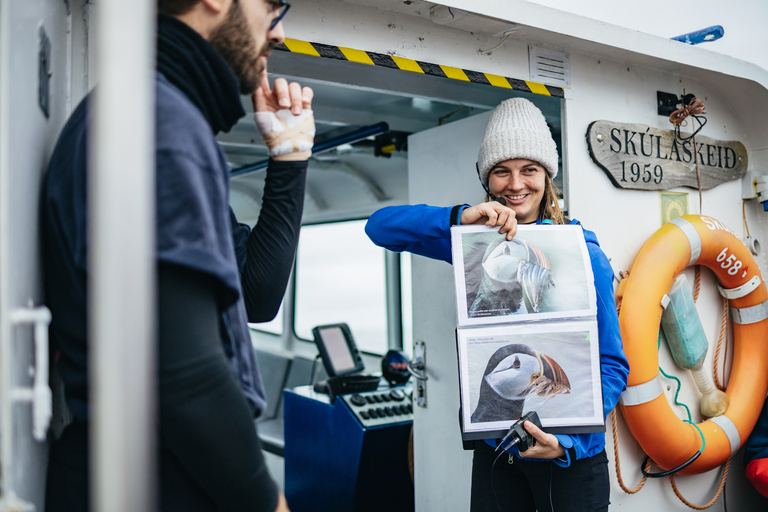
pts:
[491, 214]
[281, 95]
[547, 446]
[282, 505]
[283, 115]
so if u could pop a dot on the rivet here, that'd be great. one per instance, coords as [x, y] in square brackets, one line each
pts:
[599, 138]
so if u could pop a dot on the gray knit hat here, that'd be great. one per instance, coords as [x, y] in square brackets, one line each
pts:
[517, 129]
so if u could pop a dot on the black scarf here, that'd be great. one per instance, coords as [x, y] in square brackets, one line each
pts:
[190, 63]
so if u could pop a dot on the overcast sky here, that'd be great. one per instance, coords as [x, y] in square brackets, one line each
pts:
[744, 21]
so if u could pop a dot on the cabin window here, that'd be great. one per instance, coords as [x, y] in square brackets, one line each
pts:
[275, 326]
[340, 277]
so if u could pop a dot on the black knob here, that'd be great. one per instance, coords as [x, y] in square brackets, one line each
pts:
[357, 400]
[397, 395]
[364, 415]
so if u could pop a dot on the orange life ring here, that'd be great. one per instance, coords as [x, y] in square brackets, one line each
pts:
[668, 441]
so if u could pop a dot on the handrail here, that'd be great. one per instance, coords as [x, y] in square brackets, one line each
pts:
[347, 138]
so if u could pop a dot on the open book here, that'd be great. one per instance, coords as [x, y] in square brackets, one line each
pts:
[527, 334]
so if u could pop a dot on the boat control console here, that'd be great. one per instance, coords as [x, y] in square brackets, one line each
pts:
[349, 454]
[381, 407]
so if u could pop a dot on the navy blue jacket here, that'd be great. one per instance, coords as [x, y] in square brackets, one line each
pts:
[196, 230]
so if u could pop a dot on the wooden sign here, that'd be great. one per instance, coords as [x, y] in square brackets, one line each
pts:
[639, 157]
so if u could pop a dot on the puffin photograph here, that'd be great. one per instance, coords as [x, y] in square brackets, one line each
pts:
[513, 373]
[534, 276]
[511, 270]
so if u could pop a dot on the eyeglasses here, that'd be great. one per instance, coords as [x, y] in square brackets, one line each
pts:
[281, 6]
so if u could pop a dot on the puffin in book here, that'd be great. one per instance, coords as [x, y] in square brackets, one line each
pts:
[513, 373]
[511, 271]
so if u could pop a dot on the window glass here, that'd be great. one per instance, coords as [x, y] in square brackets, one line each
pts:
[340, 278]
[274, 326]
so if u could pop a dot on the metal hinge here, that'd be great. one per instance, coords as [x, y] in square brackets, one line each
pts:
[418, 368]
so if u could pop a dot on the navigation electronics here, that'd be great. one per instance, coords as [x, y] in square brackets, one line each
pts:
[338, 349]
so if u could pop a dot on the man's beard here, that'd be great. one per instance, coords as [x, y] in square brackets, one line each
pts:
[235, 43]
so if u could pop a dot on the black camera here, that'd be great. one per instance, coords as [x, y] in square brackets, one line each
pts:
[519, 435]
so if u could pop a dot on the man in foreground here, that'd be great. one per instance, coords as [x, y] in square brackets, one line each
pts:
[214, 274]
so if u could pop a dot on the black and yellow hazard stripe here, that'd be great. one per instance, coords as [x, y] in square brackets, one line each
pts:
[415, 66]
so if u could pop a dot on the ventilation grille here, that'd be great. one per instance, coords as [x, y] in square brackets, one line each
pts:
[549, 67]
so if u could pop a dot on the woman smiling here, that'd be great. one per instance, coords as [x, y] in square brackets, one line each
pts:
[516, 164]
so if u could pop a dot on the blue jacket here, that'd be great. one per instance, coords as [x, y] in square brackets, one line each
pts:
[425, 230]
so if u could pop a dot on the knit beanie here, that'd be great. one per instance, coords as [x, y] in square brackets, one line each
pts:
[517, 129]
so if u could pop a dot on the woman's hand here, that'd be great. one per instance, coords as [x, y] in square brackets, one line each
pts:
[491, 214]
[547, 446]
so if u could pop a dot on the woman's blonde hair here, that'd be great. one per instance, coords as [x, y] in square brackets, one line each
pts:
[549, 208]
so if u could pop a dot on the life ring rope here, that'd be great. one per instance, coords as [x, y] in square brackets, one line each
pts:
[617, 463]
[720, 344]
[714, 498]
[647, 466]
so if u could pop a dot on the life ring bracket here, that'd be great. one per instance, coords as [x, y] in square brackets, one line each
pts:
[740, 291]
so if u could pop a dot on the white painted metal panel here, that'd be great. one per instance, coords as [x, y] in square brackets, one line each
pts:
[407, 33]
[27, 137]
[441, 172]
[624, 219]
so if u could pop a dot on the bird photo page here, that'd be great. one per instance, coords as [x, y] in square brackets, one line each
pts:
[543, 273]
[507, 371]
[527, 334]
